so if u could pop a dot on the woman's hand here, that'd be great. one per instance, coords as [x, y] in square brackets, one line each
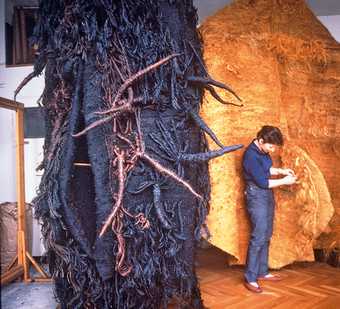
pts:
[287, 172]
[289, 179]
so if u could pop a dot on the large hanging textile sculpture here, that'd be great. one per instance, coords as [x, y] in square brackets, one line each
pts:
[288, 67]
[125, 185]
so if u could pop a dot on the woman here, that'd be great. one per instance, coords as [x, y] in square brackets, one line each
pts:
[257, 170]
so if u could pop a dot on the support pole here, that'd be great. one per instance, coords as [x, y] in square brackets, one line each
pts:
[20, 172]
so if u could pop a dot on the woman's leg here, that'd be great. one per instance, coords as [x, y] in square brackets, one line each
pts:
[257, 210]
[264, 253]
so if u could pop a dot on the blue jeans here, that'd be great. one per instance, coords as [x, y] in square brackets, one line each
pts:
[260, 207]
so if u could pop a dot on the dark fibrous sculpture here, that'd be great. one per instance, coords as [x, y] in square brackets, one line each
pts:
[125, 188]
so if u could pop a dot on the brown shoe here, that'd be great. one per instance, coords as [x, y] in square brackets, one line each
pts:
[252, 288]
[270, 278]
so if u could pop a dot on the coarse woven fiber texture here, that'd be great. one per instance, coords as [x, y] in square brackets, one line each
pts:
[286, 67]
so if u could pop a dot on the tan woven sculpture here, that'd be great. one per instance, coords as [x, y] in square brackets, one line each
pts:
[286, 66]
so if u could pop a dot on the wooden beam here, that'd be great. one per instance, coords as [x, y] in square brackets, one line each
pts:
[45, 280]
[20, 166]
[17, 48]
[23, 35]
[10, 104]
[20, 171]
[11, 264]
[36, 266]
[11, 275]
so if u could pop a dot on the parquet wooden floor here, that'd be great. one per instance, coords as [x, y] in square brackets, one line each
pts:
[305, 285]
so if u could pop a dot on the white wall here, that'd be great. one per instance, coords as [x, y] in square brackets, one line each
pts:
[332, 23]
[7, 156]
[208, 8]
[9, 80]
[2, 32]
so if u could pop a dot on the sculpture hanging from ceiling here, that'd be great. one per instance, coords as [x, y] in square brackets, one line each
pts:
[285, 65]
[125, 186]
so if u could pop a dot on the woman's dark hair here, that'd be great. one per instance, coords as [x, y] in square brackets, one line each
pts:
[271, 135]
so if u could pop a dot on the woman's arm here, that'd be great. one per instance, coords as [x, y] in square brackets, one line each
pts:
[281, 171]
[288, 180]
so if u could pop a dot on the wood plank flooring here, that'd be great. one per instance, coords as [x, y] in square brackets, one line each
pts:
[305, 285]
